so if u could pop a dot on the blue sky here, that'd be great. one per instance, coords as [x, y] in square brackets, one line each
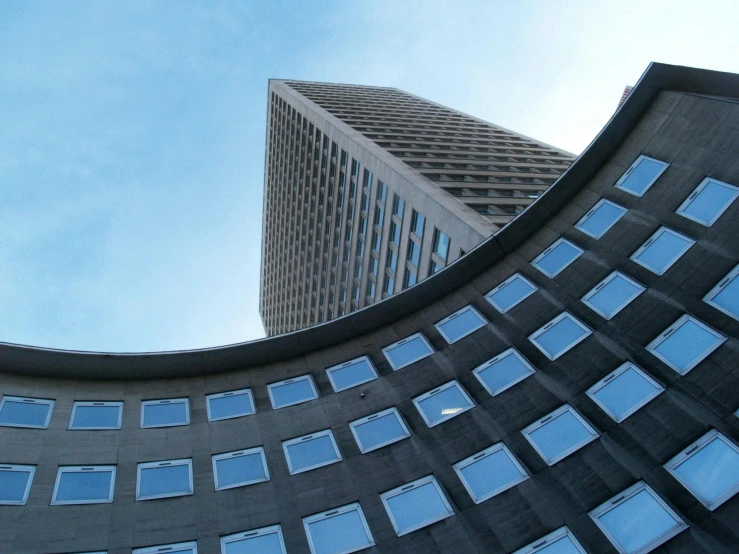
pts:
[132, 133]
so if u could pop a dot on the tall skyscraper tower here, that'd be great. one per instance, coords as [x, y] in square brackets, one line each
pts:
[369, 190]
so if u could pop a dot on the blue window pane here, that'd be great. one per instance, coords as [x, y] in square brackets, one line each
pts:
[728, 297]
[23, 413]
[408, 352]
[461, 325]
[559, 337]
[559, 435]
[239, 469]
[642, 176]
[503, 373]
[444, 405]
[311, 453]
[613, 296]
[561, 546]
[83, 486]
[709, 203]
[559, 257]
[711, 472]
[511, 294]
[13, 485]
[354, 374]
[686, 345]
[264, 544]
[379, 431]
[165, 414]
[164, 480]
[637, 521]
[599, 221]
[340, 533]
[96, 416]
[416, 507]
[627, 390]
[292, 393]
[225, 407]
[666, 248]
[490, 474]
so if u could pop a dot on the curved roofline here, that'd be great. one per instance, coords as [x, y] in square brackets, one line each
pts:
[48, 362]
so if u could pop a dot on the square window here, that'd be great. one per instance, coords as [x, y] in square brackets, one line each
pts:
[292, 391]
[164, 479]
[600, 218]
[624, 391]
[559, 434]
[560, 335]
[338, 531]
[416, 505]
[31, 413]
[165, 413]
[708, 201]
[407, 351]
[637, 520]
[228, 405]
[84, 485]
[612, 294]
[503, 371]
[725, 295]
[490, 472]
[443, 403]
[557, 257]
[708, 468]
[511, 292]
[662, 250]
[15, 483]
[460, 324]
[267, 540]
[561, 541]
[351, 374]
[311, 451]
[96, 415]
[179, 548]
[685, 343]
[378, 430]
[240, 468]
[641, 175]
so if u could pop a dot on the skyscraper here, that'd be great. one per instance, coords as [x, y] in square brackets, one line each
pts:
[369, 190]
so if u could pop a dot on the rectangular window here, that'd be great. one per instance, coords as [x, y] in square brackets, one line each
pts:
[31, 413]
[637, 520]
[443, 403]
[558, 336]
[84, 485]
[559, 434]
[600, 218]
[434, 267]
[292, 391]
[179, 548]
[460, 324]
[407, 351]
[392, 259]
[416, 505]
[311, 451]
[440, 245]
[708, 201]
[685, 343]
[490, 472]
[624, 391]
[398, 206]
[662, 250]
[388, 285]
[394, 235]
[557, 257]
[378, 430]
[503, 371]
[367, 179]
[15, 483]
[338, 531]
[414, 252]
[241, 468]
[228, 405]
[708, 468]
[612, 294]
[409, 279]
[725, 295]
[417, 223]
[96, 415]
[267, 540]
[165, 413]
[561, 541]
[641, 175]
[164, 479]
[511, 292]
[351, 374]
[381, 191]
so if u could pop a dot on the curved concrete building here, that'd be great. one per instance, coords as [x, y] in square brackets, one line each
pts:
[570, 385]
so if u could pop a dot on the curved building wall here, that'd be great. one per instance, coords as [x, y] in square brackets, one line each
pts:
[697, 136]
